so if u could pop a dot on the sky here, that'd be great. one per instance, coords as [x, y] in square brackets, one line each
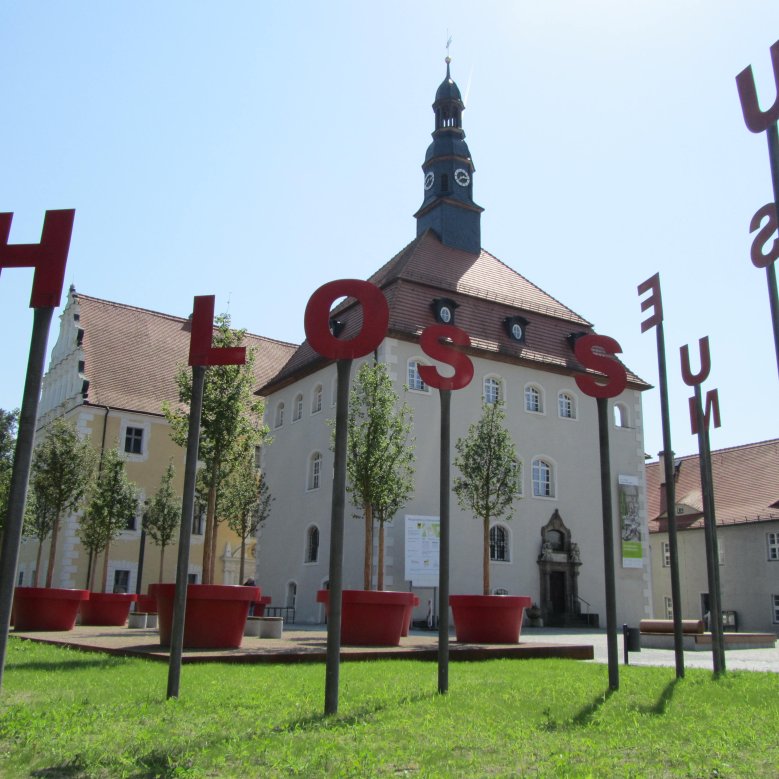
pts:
[256, 150]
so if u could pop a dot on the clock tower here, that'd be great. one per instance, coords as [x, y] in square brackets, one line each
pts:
[448, 207]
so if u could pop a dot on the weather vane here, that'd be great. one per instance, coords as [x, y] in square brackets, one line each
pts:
[448, 44]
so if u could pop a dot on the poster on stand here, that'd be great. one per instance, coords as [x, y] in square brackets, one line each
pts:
[630, 521]
[422, 549]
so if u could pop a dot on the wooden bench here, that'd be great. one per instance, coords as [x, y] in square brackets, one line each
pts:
[659, 634]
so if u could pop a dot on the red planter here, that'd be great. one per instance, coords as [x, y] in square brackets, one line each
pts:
[46, 608]
[488, 619]
[259, 606]
[215, 614]
[409, 614]
[371, 617]
[146, 603]
[106, 608]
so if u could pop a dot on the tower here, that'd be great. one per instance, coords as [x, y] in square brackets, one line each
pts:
[448, 206]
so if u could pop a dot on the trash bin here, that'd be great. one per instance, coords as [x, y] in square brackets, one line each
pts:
[631, 641]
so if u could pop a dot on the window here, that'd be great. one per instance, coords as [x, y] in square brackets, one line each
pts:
[499, 544]
[534, 401]
[772, 539]
[500, 591]
[543, 486]
[198, 520]
[278, 420]
[520, 479]
[191, 578]
[316, 399]
[292, 595]
[665, 550]
[314, 471]
[775, 599]
[20, 580]
[414, 379]
[669, 607]
[132, 521]
[312, 544]
[297, 408]
[121, 580]
[133, 440]
[492, 390]
[566, 405]
[620, 415]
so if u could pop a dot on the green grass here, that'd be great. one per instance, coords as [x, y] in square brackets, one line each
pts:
[70, 714]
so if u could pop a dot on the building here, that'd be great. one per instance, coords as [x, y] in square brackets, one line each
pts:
[746, 500]
[521, 349]
[112, 368]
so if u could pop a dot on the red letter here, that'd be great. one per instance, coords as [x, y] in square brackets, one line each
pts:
[47, 257]
[375, 318]
[433, 345]
[613, 369]
[655, 299]
[201, 352]
[712, 405]
[760, 258]
[689, 379]
[756, 120]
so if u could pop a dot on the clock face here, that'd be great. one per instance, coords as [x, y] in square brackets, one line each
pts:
[429, 179]
[461, 177]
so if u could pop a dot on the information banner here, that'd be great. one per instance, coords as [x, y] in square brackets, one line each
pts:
[422, 549]
[627, 491]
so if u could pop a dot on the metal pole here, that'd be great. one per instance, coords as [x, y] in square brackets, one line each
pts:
[670, 502]
[770, 271]
[17, 496]
[443, 545]
[333, 655]
[141, 555]
[710, 536]
[185, 533]
[608, 544]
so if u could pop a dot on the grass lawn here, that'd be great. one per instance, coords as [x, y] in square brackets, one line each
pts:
[69, 714]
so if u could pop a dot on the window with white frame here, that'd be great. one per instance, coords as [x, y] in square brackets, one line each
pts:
[493, 392]
[534, 399]
[520, 478]
[543, 478]
[334, 390]
[669, 607]
[414, 379]
[314, 471]
[312, 544]
[278, 420]
[566, 405]
[297, 407]
[133, 440]
[775, 599]
[316, 399]
[665, 551]
[772, 541]
[121, 580]
[499, 544]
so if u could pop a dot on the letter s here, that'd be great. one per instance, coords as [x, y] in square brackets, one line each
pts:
[433, 346]
[615, 372]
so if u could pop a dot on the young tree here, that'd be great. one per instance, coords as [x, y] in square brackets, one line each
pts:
[9, 421]
[163, 514]
[112, 506]
[488, 484]
[231, 418]
[244, 501]
[62, 469]
[380, 456]
[38, 523]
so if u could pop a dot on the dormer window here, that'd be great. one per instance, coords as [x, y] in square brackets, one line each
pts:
[443, 309]
[516, 328]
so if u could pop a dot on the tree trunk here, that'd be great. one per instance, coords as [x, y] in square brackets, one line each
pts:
[162, 561]
[105, 566]
[91, 572]
[37, 563]
[241, 569]
[210, 512]
[52, 551]
[486, 555]
[214, 534]
[380, 574]
[368, 559]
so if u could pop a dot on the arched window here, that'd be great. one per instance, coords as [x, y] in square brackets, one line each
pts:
[566, 405]
[312, 544]
[316, 399]
[499, 543]
[297, 407]
[414, 379]
[278, 420]
[493, 391]
[620, 415]
[314, 471]
[534, 399]
[543, 479]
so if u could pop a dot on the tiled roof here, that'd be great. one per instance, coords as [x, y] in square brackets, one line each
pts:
[746, 486]
[486, 291]
[131, 355]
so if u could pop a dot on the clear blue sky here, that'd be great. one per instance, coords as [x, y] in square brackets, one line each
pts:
[254, 150]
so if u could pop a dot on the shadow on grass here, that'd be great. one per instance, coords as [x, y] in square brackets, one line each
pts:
[66, 664]
[156, 765]
[659, 707]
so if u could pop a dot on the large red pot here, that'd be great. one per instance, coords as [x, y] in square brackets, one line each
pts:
[107, 608]
[409, 614]
[146, 603]
[259, 606]
[488, 619]
[370, 617]
[46, 608]
[215, 615]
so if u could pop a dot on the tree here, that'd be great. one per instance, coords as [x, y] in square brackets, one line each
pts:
[488, 484]
[62, 469]
[112, 506]
[380, 456]
[231, 419]
[9, 421]
[163, 514]
[38, 523]
[244, 501]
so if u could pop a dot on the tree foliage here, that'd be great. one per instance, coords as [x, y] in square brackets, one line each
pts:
[112, 506]
[231, 420]
[488, 483]
[9, 421]
[380, 456]
[62, 469]
[163, 514]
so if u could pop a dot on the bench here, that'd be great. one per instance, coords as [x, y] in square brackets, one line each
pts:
[659, 634]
